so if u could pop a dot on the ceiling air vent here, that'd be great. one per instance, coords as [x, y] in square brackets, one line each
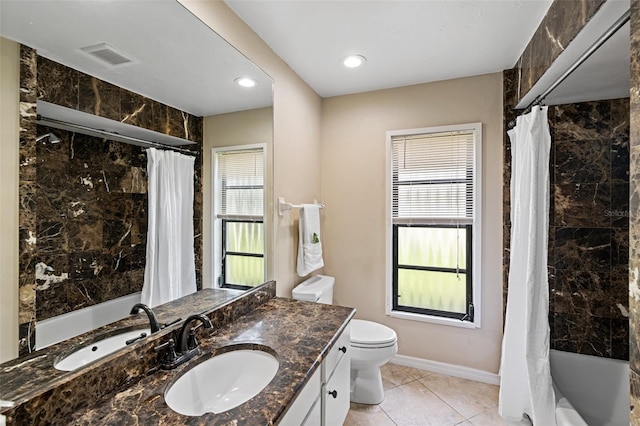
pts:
[107, 54]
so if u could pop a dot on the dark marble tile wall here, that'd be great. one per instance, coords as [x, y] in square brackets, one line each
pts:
[509, 102]
[83, 215]
[536, 59]
[634, 218]
[589, 224]
[589, 228]
[561, 24]
[27, 210]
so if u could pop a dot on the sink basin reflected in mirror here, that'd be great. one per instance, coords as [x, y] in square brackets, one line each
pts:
[97, 349]
[222, 382]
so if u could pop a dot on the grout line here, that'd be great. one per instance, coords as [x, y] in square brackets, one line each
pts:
[452, 407]
[389, 417]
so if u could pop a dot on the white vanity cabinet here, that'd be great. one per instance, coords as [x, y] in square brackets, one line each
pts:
[305, 410]
[324, 401]
[336, 370]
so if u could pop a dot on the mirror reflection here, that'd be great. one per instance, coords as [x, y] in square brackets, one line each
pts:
[83, 227]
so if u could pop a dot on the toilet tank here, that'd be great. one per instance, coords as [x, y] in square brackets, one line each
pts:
[315, 289]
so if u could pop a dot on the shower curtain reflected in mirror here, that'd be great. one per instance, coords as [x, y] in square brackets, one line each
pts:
[170, 260]
[525, 375]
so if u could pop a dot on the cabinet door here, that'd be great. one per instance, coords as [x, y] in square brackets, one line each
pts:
[335, 394]
[304, 403]
[314, 418]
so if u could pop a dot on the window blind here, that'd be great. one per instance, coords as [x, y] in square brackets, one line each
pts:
[433, 178]
[240, 177]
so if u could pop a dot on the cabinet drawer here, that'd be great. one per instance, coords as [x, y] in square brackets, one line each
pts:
[339, 349]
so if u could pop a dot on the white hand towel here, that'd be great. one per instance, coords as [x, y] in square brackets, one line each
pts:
[309, 244]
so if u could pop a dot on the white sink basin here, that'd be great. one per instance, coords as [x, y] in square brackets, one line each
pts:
[97, 349]
[222, 382]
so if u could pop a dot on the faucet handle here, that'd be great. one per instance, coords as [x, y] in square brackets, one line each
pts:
[192, 342]
[170, 354]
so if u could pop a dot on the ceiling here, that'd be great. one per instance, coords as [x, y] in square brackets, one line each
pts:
[405, 42]
[188, 66]
[177, 59]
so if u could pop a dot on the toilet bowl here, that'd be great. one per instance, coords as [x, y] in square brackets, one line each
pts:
[372, 344]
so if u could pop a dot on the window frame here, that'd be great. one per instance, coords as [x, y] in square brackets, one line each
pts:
[222, 283]
[476, 231]
[217, 238]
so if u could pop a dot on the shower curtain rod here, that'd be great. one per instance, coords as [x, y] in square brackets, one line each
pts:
[117, 136]
[595, 46]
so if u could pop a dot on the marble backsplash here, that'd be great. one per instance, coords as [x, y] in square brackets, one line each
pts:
[83, 200]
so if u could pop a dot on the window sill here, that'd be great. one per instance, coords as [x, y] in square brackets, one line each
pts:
[434, 320]
[230, 290]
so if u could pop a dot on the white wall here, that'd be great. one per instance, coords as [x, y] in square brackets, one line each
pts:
[353, 190]
[296, 115]
[9, 160]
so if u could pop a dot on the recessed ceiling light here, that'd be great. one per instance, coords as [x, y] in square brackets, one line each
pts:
[245, 81]
[353, 61]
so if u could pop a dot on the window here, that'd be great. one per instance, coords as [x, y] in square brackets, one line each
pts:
[434, 227]
[239, 243]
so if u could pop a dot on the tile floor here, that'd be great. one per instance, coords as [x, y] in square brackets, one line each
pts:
[420, 398]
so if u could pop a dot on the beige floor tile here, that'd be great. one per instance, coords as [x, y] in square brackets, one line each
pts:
[413, 404]
[489, 417]
[396, 375]
[467, 397]
[367, 415]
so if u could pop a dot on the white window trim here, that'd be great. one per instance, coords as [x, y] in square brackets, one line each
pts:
[476, 233]
[216, 238]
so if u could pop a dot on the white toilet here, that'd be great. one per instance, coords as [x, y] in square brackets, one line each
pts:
[372, 344]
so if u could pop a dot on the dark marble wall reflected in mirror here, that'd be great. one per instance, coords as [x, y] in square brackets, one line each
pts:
[81, 243]
[88, 196]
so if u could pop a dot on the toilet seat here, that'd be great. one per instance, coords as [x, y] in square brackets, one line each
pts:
[368, 334]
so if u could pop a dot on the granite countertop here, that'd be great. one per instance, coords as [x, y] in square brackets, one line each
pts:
[33, 374]
[300, 334]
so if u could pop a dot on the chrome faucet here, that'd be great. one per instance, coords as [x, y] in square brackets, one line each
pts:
[187, 343]
[153, 321]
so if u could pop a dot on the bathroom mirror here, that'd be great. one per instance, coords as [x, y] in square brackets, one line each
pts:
[170, 56]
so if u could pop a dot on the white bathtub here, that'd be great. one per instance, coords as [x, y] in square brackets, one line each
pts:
[593, 388]
[65, 326]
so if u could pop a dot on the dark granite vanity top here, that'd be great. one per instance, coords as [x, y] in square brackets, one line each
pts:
[300, 334]
[24, 376]
[128, 387]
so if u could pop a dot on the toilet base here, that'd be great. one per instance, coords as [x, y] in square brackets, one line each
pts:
[366, 386]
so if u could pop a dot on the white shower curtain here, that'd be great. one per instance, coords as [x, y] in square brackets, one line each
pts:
[525, 374]
[170, 265]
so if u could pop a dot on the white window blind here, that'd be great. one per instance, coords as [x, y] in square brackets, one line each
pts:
[240, 178]
[432, 177]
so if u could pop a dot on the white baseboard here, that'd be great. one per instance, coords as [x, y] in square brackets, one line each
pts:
[448, 369]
